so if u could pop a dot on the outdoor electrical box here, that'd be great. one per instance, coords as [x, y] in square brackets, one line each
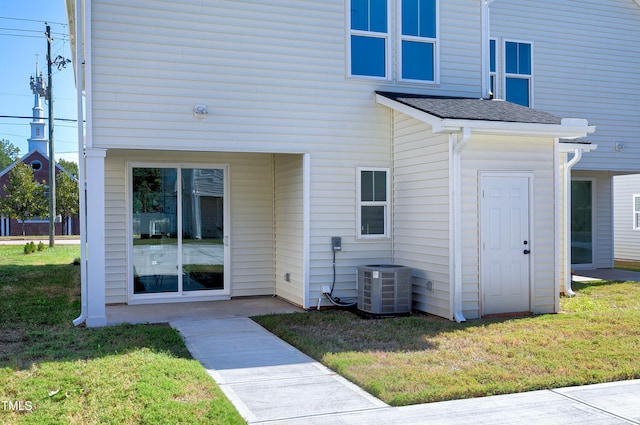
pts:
[336, 243]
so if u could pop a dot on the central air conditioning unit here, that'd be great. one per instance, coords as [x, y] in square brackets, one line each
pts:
[384, 289]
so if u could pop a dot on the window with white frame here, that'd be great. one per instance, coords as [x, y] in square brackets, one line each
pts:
[372, 30]
[492, 68]
[373, 202]
[517, 72]
[636, 212]
[418, 35]
[368, 38]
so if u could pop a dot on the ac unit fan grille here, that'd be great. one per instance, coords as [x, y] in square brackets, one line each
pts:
[384, 289]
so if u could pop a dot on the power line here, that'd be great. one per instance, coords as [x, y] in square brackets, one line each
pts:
[30, 118]
[31, 20]
[19, 30]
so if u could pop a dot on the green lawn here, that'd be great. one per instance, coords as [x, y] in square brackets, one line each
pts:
[418, 359]
[59, 374]
[128, 374]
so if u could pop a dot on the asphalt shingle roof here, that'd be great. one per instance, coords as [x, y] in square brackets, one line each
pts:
[472, 108]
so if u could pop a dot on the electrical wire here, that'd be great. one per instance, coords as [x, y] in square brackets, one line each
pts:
[335, 300]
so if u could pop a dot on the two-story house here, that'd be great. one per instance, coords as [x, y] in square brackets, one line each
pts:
[582, 59]
[227, 142]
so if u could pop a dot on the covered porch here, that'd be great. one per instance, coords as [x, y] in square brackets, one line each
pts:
[166, 227]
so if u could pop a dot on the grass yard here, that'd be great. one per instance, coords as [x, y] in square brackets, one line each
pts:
[54, 373]
[419, 359]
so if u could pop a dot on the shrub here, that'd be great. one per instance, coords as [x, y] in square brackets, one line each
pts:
[41, 246]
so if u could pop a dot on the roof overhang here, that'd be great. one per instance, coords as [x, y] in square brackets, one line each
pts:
[571, 146]
[568, 128]
[71, 10]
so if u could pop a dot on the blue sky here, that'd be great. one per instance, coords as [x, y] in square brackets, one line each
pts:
[21, 38]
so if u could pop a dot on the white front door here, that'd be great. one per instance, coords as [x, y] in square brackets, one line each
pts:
[505, 243]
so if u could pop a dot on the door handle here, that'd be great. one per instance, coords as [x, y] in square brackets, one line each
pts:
[526, 252]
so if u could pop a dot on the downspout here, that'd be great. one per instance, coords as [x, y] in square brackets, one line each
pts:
[577, 155]
[81, 166]
[486, 34]
[465, 138]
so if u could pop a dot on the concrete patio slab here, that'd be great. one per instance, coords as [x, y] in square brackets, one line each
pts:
[167, 312]
[605, 274]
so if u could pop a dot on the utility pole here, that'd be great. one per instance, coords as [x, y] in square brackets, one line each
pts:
[60, 62]
[52, 161]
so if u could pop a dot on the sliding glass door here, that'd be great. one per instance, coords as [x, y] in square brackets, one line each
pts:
[582, 222]
[178, 230]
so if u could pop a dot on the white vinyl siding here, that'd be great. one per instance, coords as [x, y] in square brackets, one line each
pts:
[626, 216]
[272, 75]
[421, 212]
[289, 227]
[581, 74]
[524, 154]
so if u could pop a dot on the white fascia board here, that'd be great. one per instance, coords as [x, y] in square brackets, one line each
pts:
[572, 147]
[433, 121]
[562, 131]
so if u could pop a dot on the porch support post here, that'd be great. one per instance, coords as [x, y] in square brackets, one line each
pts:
[96, 311]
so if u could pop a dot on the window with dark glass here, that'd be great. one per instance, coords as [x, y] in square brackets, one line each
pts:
[518, 76]
[368, 38]
[374, 194]
[418, 39]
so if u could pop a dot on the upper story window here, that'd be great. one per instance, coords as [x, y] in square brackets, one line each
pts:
[518, 75]
[418, 39]
[376, 41]
[369, 38]
[36, 165]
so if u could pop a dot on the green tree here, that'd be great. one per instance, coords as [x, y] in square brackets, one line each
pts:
[67, 196]
[24, 198]
[9, 153]
[70, 166]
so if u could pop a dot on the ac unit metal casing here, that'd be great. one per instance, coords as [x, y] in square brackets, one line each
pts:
[384, 289]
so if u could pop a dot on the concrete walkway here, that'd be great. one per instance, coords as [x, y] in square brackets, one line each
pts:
[270, 382]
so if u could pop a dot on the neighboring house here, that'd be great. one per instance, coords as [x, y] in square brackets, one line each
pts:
[626, 218]
[227, 142]
[581, 59]
[38, 159]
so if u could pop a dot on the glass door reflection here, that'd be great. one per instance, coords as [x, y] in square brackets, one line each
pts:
[155, 231]
[202, 229]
